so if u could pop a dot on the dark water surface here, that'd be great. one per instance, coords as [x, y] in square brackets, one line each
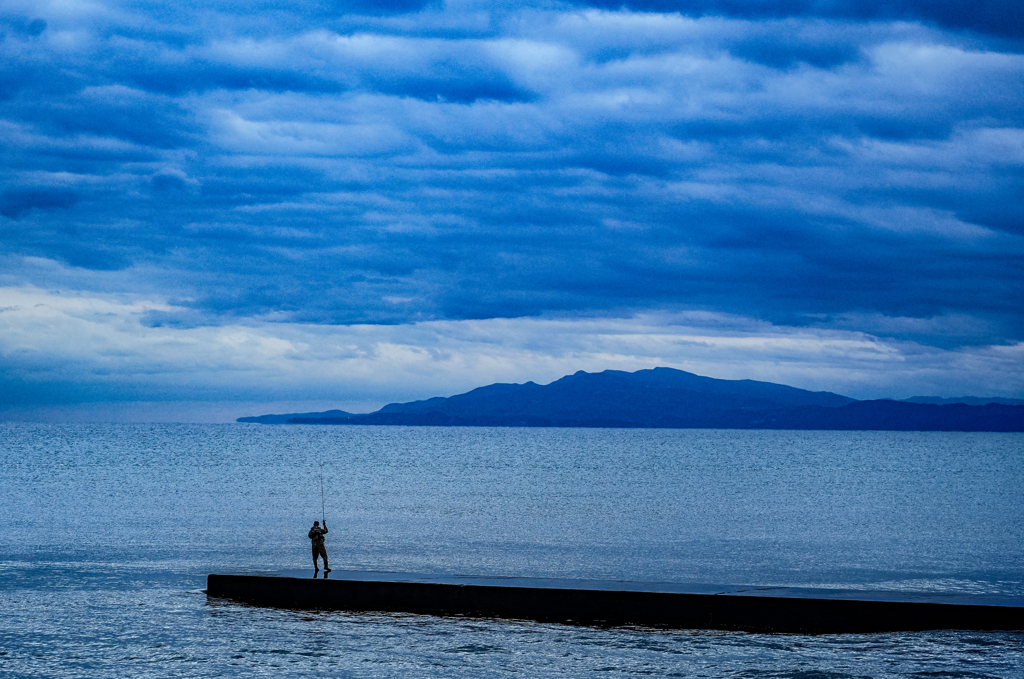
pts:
[108, 531]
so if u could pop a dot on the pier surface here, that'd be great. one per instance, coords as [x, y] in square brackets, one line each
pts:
[767, 609]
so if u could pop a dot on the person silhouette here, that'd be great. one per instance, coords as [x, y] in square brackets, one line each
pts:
[316, 534]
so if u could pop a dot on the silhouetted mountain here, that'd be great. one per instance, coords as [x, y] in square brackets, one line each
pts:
[896, 416]
[658, 397]
[661, 397]
[283, 419]
[667, 398]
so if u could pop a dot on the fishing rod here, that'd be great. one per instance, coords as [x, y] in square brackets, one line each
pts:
[323, 510]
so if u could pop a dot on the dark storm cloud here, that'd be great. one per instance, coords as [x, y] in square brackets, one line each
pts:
[803, 164]
[375, 7]
[13, 204]
[21, 25]
[1001, 17]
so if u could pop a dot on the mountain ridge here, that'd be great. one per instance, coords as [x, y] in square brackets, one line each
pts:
[669, 398]
[283, 419]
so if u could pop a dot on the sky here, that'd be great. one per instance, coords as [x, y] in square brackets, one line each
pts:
[217, 209]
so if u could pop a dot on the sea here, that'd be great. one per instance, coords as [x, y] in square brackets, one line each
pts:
[108, 531]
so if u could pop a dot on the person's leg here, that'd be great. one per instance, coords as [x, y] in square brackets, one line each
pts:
[316, 566]
[323, 553]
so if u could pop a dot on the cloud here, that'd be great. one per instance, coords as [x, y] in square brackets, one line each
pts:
[22, 26]
[1001, 17]
[61, 349]
[825, 168]
[14, 204]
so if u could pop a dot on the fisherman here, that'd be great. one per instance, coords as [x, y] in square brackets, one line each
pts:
[316, 534]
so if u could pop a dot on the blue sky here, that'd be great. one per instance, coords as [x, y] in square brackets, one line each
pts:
[231, 208]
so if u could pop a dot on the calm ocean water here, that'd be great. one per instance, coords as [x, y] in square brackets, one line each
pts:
[107, 533]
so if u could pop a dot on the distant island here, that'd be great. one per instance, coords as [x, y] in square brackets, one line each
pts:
[287, 419]
[669, 398]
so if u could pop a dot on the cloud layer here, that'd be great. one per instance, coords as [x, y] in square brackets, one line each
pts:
[65, 350]
[823, 167]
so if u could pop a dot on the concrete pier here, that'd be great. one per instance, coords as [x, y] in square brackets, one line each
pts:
[618, 603]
